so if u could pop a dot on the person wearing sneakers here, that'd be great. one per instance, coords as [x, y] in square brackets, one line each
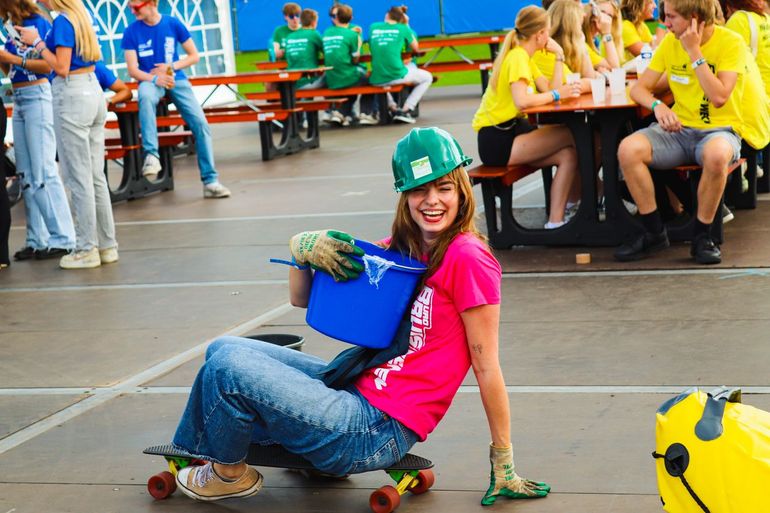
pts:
[387, 39]
[705, 66]
[50, 231]
[342, 49]
[150, 47]
[505, 137]
[303, 48]
[366, 409]
[71, 49]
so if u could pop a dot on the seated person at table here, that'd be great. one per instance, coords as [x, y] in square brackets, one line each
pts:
[334, 9]
[303, 47]
[741, 16]
[599, 30]
[291, 13]
[566, 21]
[108, 81]
[635, 32]
[505, 138]
[387, 39]
[342, 49]
[150, 48]
[707, 94]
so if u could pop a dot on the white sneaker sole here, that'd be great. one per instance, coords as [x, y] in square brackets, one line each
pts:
[245, 493]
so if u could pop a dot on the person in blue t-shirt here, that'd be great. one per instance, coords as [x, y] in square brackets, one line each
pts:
[108, 81]
[150, 48]
[50, 231]
[71, 49]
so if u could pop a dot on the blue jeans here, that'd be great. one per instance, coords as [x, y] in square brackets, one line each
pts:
[49, 222]
[183, 97]
[250, 391]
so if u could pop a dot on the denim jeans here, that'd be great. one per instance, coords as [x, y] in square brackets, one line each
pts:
[79, 113]
[183, 97]
[49, 221]
[254, 392]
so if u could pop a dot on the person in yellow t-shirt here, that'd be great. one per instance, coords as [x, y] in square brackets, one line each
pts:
[741, 16]
[599, 25]
[635, 31]
[704, 64]
[505, 138]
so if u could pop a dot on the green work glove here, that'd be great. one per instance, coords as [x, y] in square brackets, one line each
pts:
[503, 481]
[329, 251]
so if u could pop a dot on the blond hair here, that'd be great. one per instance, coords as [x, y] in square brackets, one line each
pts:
[406, 236]
[701, 9]
[529, 21]
[85, 37]
[567, 30]
[616, 28]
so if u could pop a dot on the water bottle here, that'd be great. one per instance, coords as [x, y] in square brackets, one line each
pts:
[645, 56]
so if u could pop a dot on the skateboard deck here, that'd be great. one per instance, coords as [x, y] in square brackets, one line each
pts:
[411, 474]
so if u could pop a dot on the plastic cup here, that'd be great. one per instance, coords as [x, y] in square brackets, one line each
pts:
[598, 89]
[617, 81]
[573, 77]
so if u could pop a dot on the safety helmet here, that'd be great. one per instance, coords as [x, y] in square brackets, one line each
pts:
[424, 155]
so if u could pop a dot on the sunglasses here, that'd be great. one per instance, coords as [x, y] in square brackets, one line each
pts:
[136, 7]
[333, 16]
[292, 16]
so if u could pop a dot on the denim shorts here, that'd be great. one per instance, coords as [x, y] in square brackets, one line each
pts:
[671, 149]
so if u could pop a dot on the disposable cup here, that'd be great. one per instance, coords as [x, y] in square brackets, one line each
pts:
[598, 89]
[617, 81]
[573, 77]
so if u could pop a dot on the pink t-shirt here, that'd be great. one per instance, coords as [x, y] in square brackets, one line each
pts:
[418, 388]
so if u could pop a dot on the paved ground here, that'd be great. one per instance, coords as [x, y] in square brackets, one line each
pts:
[96, 365]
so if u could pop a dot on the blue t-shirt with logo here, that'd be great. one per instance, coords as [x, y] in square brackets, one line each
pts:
[63, 34]
[156, 44]
[103, 74]
[17, 73]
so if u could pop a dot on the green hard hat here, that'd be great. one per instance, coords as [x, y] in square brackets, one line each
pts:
[424, 155]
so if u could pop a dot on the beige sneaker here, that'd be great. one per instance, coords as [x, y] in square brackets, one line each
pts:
[81, 260]
[203, 484]
[151, 166]
[215, 190]
[108, 256]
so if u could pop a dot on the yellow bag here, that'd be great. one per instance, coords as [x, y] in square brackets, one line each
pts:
[712, 454]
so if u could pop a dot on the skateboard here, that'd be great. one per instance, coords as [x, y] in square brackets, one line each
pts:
[411, 474]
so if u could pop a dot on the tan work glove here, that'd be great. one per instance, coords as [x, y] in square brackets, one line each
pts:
[503, 481]
[329, 251]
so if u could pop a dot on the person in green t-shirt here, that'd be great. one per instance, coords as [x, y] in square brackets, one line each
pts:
[302, 48]
[386, 42]
[291, 13]
[342, 48]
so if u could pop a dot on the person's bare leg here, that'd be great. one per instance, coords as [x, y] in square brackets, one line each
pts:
[634, 155]
[717, 154]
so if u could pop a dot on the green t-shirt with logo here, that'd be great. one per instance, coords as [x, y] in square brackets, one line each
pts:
[280, 33]
[386, 42]
[302, 49]
[340, 45]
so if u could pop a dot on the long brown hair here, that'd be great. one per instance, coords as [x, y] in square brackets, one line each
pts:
[529, 21]
[406, 236]
[19, 10]
[632, 11]
[567, 30]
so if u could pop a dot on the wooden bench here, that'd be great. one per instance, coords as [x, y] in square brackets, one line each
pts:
[691, 173]
[497, 187]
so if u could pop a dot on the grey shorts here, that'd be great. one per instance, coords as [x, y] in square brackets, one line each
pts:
[671, 149]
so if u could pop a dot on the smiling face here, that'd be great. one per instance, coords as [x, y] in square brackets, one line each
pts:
[433, 207]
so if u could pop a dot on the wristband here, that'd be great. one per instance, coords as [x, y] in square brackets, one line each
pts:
[607, 38]
[555, 95]
[36, 42]
[698, 62]
[662, 26]
[655, 104]
[155, 79]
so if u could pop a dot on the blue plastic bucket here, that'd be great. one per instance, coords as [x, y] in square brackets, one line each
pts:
[365, 311]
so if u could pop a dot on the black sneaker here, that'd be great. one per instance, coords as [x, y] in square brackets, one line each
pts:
[705, 250]
[45, 254]
[25, 253]
[404, 117]
[641, 247]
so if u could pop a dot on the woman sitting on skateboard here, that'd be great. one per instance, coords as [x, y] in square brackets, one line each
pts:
[250, 391]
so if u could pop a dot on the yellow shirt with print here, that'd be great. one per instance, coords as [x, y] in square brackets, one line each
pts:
[724, 51]
[739, 23]
[595, 57]
[546, 61]
[497, 104]
[633, 34]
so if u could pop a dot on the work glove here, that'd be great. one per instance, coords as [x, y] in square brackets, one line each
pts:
[329, 251]
[503, 481]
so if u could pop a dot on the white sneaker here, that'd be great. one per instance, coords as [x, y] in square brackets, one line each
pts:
[81, 260]
[151, 166]
[347, 121]
[215, 190]
[760, 171]
[631, 207]
[727, 214]
[550, 226]
[335, 117]
[108, 256]
[367, 119]
[571, 210]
